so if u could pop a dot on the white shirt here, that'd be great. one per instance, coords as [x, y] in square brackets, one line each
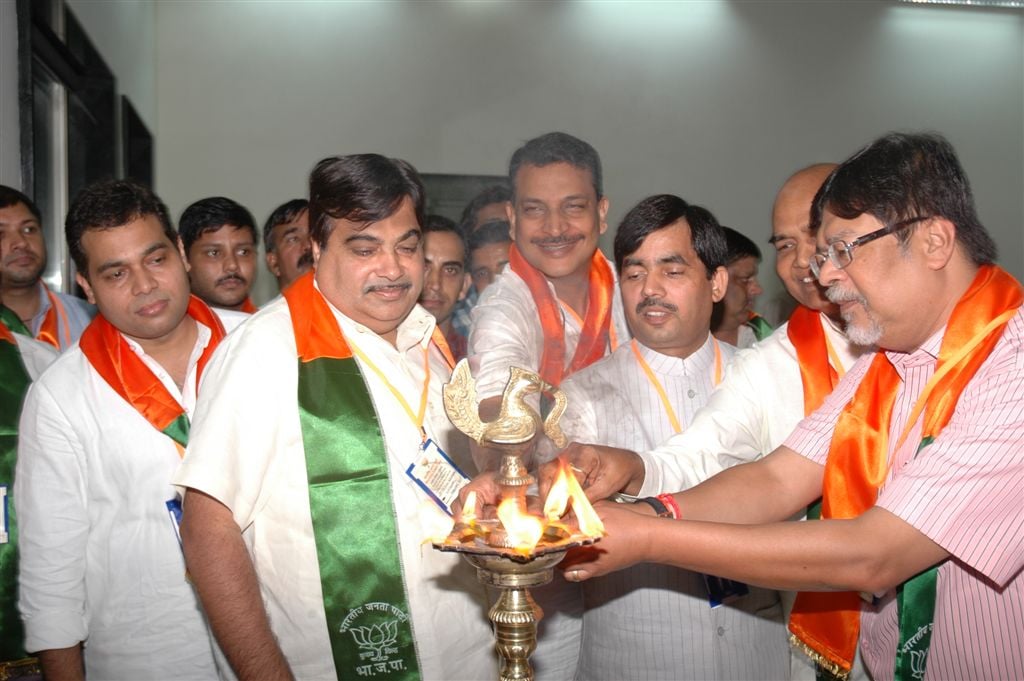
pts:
[507, 332]
[246, 451]
[36, 356]
[653, 621]
[100, 558]
[755, 408]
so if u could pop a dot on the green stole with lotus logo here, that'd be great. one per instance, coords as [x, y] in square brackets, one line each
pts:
[350, 503]
[14, 382]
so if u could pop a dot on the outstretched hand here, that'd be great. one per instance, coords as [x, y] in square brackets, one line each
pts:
[602, 471]
[627, 542]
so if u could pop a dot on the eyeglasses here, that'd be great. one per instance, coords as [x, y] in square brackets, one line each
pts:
[840, 253]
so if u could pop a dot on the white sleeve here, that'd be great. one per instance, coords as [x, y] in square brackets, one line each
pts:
[504, 334]
[53, 525]
[731, 428]
[245, 420]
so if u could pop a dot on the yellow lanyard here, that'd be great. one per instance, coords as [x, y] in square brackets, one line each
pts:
[833, 357]
[416, 418]
[669, 411]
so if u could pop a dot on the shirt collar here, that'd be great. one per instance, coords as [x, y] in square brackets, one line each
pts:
[416, 329]
[926, 354]
[695, 364]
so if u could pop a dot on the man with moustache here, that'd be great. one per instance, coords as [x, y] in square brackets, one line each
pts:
[916, 452]
[768, 389]
[446, 281]
[289, 252]
[52, 317]
[22, 360]
[670, 257]
[555, 310]
[220, 244]
[305, 559]
[103, 590]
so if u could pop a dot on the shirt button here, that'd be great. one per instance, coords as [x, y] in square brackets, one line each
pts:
[721, 631]
[691, 393]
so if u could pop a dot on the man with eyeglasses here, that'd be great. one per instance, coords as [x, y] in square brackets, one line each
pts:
[916, 453]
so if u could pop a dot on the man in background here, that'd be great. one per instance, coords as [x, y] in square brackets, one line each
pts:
[50, 316]
[737, 323]
[22, 360]
[288, 249]
[446, 281]
[488, 253]
[220, 245]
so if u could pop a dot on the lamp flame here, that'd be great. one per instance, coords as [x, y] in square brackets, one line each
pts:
[589, 522]
[522, 529]
[558, 496]
[469, 509]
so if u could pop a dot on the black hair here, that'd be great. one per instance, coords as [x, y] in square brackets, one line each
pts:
[902, 176]
[109, 204]
[9, 196]
[662, 210]
[209, 215]
[362, 188]
[285, 213]
[738, 246]
[491, 232]
[498, 193]
[557, 147]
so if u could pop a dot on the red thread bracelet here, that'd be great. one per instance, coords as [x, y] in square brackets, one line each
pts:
[671, 505]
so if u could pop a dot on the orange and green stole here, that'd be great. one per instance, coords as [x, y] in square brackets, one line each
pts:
[48, 330]
[14, 381]
[827, 625]
[759, 325]
[365, 600]
[113, 359]
[596, 324]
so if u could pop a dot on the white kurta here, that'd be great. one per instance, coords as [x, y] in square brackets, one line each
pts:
[36, 356]
[756, 407]
[507, 332]
[654, 621]
[246, 451]
[100, 558]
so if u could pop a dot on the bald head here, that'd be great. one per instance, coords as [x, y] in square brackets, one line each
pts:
[794, 244]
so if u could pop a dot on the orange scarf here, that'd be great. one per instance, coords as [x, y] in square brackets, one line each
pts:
[48, 332]
[110, 355]
[316, 330]
[247, 306]
[828, 623]
[594, 334]
[817, 374]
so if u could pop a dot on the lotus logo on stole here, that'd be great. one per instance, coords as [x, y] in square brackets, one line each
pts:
[377, 637]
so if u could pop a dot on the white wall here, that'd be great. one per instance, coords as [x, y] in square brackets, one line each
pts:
[715, 101]
[10, 126]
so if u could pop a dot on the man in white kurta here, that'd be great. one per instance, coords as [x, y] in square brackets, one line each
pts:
[102, 574]
[554, 309]
[100, 557]
[248, 516]
[255, 375]
[656, 622]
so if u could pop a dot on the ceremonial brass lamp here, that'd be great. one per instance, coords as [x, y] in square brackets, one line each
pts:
[518, 550]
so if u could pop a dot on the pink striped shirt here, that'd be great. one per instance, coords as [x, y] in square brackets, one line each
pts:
[966, 493]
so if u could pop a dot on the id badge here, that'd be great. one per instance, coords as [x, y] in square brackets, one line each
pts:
[174, 511]
[437, 475]
[721, 590]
